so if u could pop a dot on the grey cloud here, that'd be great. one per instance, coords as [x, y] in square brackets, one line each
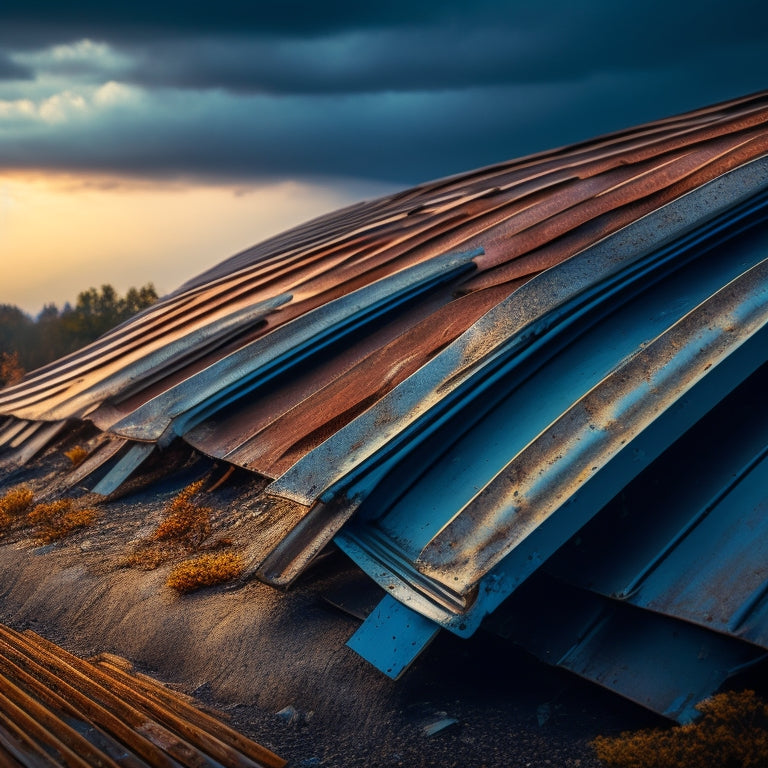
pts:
[11, 70]
[368, 48]
[400, 138]
[40, 22]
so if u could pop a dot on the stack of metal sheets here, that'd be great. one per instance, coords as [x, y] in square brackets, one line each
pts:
[458, 382]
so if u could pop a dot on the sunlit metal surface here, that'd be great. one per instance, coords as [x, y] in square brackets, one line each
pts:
[455, 383]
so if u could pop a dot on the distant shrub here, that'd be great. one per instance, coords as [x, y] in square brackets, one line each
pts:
[76, 455]
[205, 571]
[732, 733]
[57, 519]
[11, 370]
[186, 522]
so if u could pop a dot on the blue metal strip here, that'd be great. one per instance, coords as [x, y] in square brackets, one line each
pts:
[662, 664]
[392, 637]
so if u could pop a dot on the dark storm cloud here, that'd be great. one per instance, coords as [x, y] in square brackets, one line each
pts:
[400, 91]
[44, 21]
[508, 44]
[333, 47]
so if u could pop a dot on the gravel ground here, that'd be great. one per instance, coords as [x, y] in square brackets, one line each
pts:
[276, 664]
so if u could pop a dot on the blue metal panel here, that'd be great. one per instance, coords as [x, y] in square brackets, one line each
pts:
[407, 631]
[420, 497]
[732, 541]
[570, 471]
[661, 664]
[690, 537]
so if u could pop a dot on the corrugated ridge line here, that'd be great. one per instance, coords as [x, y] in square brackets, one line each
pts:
[86, 712]
[374, 223]
[724, 153]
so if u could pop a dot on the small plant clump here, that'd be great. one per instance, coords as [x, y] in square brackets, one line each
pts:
[186, 522]
[77, 455]
[205, 571]
[147, 556]
[57, 519]
[14, 505]
[731, 733]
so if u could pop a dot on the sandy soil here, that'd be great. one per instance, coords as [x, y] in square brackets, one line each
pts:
[276, 663]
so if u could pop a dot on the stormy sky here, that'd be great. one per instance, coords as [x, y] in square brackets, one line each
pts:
[337, 100]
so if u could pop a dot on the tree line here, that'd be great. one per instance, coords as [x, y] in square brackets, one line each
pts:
[27, 343]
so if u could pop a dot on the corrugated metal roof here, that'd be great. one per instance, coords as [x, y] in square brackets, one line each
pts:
[58, 709]
[455, 381]
[696, 550]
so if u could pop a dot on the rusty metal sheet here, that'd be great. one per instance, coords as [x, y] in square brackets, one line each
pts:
[122, 469]
[288, 436]
[182, 407]
[509, 329]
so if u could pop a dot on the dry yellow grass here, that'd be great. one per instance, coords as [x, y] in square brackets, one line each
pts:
[205, 571]
[14, 505]
[77, 455]
[185, 522]
[57, 519]
[147, 556]
[731, 733]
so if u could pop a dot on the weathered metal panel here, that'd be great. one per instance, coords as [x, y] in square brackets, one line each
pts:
[664, 665]
[345, 468]
[574, 467]
[696, 551]
[555, 295]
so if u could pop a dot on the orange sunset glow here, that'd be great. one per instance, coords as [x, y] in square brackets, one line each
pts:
[61, 233]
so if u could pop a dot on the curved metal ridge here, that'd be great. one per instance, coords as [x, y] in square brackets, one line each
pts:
[511, 210]
[595, 429]
[530, 508]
